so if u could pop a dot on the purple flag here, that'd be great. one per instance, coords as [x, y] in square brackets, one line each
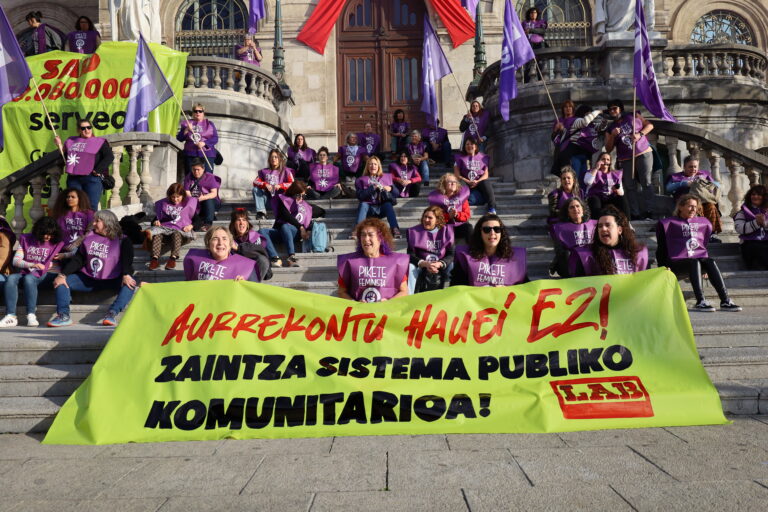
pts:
[515, 52]
[257, 11]
[149, 89]
[470, 6]
[14, 71]
[434, 66]
[644, 77]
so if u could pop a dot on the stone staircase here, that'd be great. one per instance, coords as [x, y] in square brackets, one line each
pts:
[40, 368]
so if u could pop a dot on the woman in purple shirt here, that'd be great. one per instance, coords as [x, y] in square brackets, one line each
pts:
[300, 157]
[249, 52]
[471, 167]
[324, 178]
[72, 211]
[417, 149]
[85, 38]
[172, 224]
[604, 187]
[43, 38]
[682, 246]
[750, 223]
[398, 130]
[376, 193]
[200, 137]
[574, 230]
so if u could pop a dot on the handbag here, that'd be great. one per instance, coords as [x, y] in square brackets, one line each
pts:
[218, 159]
[107, 182]
[706, 190]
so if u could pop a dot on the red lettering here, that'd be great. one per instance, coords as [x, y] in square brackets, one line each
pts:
[53, 69]
[315, 323]
[192, 335]
[179, 325]
[56, 92]
[416, 327]
[71, 68]
[568, 325]
[92, 88]
[454, 336]
[291, 326]
[377, 333]
[21, 96]
[535, 333]
[125, 87]
[266, 322]
[599, 392]
[438, 326]
[604, 310]
[110, 89]
[90, 64]
[244, 323]
[482, 317]
[42, 91]
[220, 324]
[634, 391]
[73, 90]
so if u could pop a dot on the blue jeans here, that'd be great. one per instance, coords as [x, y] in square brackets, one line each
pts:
[260, 197]
[286, 233]
[207, 211]
[580, 165]
[81, 283]
[269, 246]
[90, 184]
[31, 283]
[424, 171]
[366, 210]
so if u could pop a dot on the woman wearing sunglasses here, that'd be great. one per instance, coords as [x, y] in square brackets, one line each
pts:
[87, 159]
[489, 260]
[200, 137]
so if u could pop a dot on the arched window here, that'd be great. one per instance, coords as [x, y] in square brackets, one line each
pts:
[722, 27]
[568, 20]
[210, 27]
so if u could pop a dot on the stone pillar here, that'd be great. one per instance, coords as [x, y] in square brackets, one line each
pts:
[480, 62]
[674, 164]
[736, 194]
[146, 173]
[131, 197]
[114, 199]
[714, 164]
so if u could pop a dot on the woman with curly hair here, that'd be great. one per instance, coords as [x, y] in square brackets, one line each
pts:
[682, 246]
[431, 249]
[750, 224]
[374, 272]
[489, 260]
[574, 230]
[613, 251]
[72, 211]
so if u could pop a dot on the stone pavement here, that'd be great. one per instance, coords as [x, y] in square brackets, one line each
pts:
[681, 468]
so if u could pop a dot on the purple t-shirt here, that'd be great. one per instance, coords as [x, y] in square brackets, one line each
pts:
[435, 135]
[351, 158]
[621, 261]
[571, 235]
[472, 167]
[680, 177]
[477, 128]
[102, 256]
[249, 56]
[750, 213]
[176, 216]
[81, 154]
[36, 251]
[323, 177]
[430, 245]
[363, 182]
[530, 24]
[82, 41]
[199, 266]
[301, 210]
[603, 185]
[417, 149]
[252, 237]
[74, 224]
[623, 141]
[404, 172]
[372, 279]
[370, 141]
[436, 198]
[308, 155]
[202, 131]
[686, 238]
[493, 271]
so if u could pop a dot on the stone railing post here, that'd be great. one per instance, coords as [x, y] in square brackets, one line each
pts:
[753, 174]
[714, 164]
[132, 178]
[115, 199]
[736, 194]
[693, 148]
[55, 175]
[146, 174]
[36, 210]
[19, 222]
[674, 164]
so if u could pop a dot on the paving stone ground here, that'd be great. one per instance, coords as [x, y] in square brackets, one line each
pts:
[681, 468]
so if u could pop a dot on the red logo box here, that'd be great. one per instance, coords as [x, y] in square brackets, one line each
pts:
[606, 397]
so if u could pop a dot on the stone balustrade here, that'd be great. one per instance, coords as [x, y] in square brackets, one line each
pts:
[715, 60]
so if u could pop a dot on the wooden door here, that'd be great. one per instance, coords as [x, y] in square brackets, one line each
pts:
[379, 64]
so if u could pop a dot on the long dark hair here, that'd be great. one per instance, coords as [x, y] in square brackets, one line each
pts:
[529, 11]
[297, 188]
[476, 245]
[281, 161]
[394, 116]
[564, 217]
[86, 18]
[627, 243]
[60, 207]
[760, 189]
[46, 226]
[239, 213]
[295, 145]
[473, 141]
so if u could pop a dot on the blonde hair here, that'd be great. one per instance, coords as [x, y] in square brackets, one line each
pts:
[210, 232]
[367, 171]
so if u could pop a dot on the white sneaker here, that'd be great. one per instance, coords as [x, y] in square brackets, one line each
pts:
[32, 320]
[9, 321]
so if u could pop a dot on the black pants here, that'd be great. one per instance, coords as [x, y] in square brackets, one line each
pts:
[596, 204]
[692, 267]
[462, 232]
[328, 194]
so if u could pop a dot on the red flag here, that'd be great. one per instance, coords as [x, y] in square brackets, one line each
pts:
[318, 28]
[456, 19]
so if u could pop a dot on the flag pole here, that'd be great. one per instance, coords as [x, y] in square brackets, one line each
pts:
[471, 117]
[634, 109]
[47, 115]
[551, 103]
[189, 126]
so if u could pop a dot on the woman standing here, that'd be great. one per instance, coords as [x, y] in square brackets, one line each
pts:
[249, 52]
[613, 251]
[398, 130]
[270, 181]
[574, 230]
[323, 178]
[451, 197]
[35, 260]
[474, 124]
[374, 272]
[489, 260]
[42, 39]
[376, 195]
[103, 261]
[300, 157]
[85, 38]
[200, 137]
[417, 150]
[604, 187]
[431, 249]
[87, 159]
[682, 246]
[405, 176]
[750, 224]
[626, 134]
[472, 168]
[216, 262]
[293, 221]
[534, 29]
[72, 211]
[173, 223]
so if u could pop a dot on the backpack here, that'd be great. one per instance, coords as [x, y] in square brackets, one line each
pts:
[319, 240]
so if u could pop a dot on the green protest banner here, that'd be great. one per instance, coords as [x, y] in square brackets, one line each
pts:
[225, 359]
[75, 86]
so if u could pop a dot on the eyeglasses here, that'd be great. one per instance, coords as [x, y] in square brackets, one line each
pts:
[488, 229]
[198, 111]
[451, 182]
[83, 128]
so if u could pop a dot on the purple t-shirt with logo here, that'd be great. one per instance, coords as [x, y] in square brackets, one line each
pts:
[176, 216]
[81, 154]
[363, 182]
[686, 238]
[36, 251]
[493, 271]
[436, 198]
[372, 279]
[621, 261]
[199, 266]
[370, 141]
[571, 235]
[472, 167]
[430, 245]
[102, 256]
[74, 224]
[323, 177]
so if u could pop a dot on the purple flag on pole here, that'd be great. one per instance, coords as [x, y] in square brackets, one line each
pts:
[644, 77]
[149, 89]
[14, 71]
[515, 52]
[257, 11]
[434, 66]
[470, 6]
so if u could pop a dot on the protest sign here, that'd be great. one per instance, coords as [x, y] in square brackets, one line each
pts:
[218, 359]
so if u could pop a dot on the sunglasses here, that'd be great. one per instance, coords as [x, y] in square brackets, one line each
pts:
[488, 229]
[83, 128]
[198, 111]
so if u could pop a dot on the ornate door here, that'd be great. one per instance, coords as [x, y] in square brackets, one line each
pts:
[379, 64]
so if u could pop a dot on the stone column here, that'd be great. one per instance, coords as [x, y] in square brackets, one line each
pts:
[146, 173]
[131, 197]
[674, 164]
[736, 194]
[114, 199]
[714, 164]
